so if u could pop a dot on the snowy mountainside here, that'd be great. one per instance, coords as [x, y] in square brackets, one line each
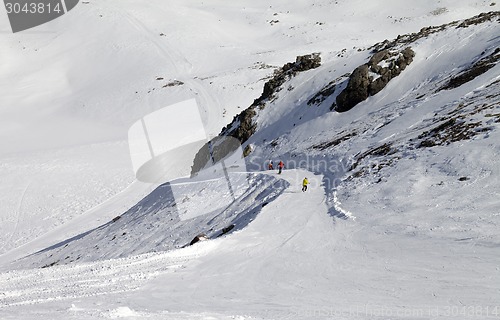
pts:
[439, 57]
[442, 136]
[72, 87]
[409, 118]
[401, 217]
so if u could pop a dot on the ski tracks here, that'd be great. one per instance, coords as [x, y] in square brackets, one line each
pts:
[182, 69]
[19, 214]
[26, 287]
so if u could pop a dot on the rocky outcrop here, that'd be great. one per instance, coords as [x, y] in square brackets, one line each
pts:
[198, 238]
[478, 68]
[324, 93]
[368, 79]
[285, 73]
[242, 126]
[404, 40]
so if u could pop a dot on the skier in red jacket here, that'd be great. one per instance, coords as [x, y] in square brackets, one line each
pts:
[281, 165]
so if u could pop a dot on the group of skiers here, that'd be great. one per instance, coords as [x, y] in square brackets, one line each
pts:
[281, 166]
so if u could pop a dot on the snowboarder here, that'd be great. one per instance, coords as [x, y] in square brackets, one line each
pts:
[270, 166]
[305, 182]
[281, 165]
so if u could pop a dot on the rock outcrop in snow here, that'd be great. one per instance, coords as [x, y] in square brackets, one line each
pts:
[370, 78]
[478, 68]
[242, 126]
[390, 60]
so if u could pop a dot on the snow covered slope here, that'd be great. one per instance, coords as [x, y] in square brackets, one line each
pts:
[401, 217]
[163, 221]
[292, 262]
[71, 88]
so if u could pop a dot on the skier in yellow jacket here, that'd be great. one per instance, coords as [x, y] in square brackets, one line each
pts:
[305, 182]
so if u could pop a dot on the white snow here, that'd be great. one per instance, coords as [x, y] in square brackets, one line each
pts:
[414, 237]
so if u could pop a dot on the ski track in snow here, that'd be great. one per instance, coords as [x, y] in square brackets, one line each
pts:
[182, 68]
[19, 217]
[25, 287]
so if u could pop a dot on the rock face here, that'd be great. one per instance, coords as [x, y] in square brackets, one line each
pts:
[404, 40]
[245, 128]
[368, 79]
[478, 68]
[288, 71]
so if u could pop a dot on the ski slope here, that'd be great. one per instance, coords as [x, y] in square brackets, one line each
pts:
[292, 262]
[277, 236]
[410, 234]
[71, 89]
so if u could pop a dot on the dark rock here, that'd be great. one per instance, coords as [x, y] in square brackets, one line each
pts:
[289, 70]
[319, 97]
[329, 144]
[356, 90]
[361, 84]
[483, 17]
[226, 230]
[403, 40]
[198, 238]
[477, 69]
[382, 150]
[214, 151]
[449, 131]
[173, 83]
